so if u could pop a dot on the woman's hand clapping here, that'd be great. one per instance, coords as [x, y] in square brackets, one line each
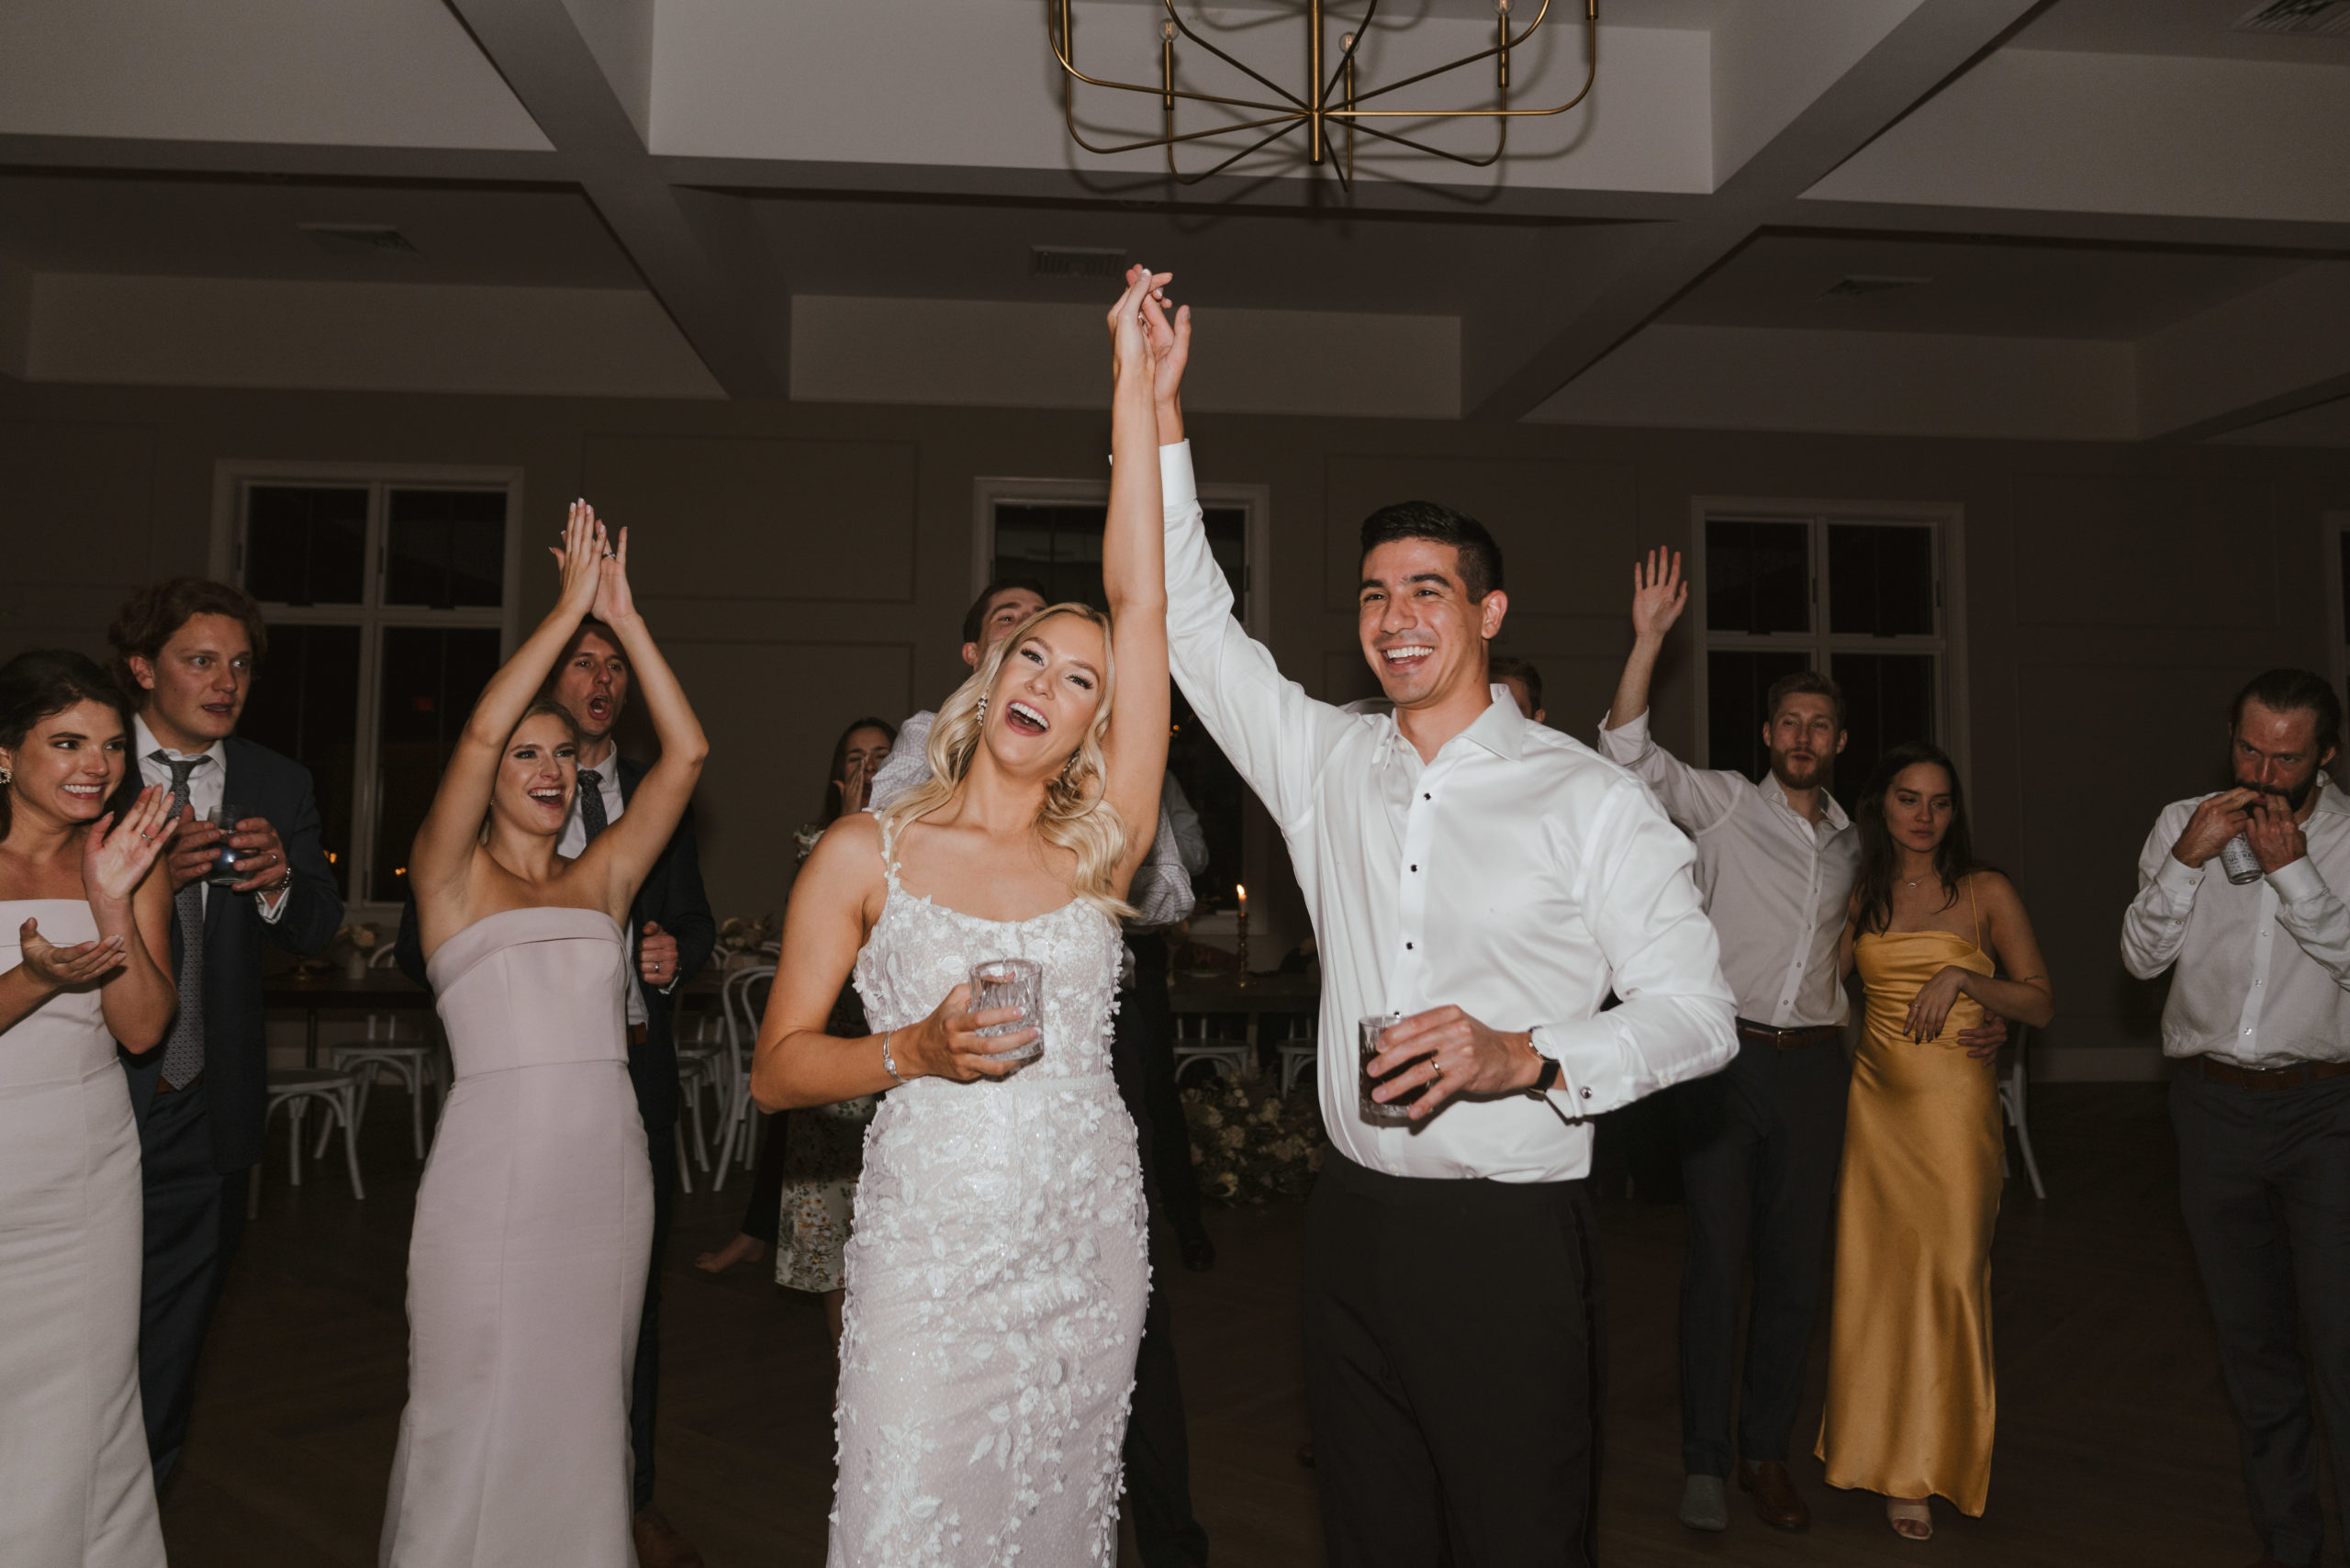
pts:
[948, 1044]
[54, 968]
[114, 863]
[581, 559]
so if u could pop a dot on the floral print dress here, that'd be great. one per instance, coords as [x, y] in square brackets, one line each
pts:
[823, 1153]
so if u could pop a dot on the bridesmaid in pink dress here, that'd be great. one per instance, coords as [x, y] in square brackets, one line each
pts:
[84, 960]
[526, 1271]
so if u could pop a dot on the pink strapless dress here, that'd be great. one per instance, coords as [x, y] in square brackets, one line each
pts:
[526, 1271]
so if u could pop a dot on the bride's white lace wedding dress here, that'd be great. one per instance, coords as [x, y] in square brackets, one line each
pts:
[998, 1272]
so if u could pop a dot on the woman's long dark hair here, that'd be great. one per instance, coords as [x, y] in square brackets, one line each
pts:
[1954, 857]
[46, 681]
[833, 803]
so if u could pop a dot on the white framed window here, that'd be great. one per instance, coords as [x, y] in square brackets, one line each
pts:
[1867, 593]
[390, 597]
[1051, 530]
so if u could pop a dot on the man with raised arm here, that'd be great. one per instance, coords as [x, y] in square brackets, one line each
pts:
[1760, 1143]
[1490, 880]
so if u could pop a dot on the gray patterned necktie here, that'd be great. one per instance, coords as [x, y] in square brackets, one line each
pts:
[591, 805]
[183, 1048]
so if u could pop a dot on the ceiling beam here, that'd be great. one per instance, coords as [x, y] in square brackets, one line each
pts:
[715, 299]
[2275, 351]
[1925, 49]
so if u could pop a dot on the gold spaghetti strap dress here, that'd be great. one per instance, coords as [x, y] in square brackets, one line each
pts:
[1910, 1399]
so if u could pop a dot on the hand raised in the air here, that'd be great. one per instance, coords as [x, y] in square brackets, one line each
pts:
[580, 558]
[1130, 336]
[1170, 348]
[1659, 595]
[114, 863]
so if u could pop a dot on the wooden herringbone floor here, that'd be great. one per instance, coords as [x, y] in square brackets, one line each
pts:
[2115, 1441]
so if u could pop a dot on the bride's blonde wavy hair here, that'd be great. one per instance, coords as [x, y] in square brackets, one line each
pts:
[1076, 816]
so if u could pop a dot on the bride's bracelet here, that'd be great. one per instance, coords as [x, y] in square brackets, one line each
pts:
[889, 1063]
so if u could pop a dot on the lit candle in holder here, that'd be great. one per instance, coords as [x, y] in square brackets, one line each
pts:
[1242, 888]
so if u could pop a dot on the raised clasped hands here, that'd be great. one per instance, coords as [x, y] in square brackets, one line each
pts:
[580, 558]
[948, 1044]
[114, 863]
[54, 968]
[1134, 336]
[1658, 594]
[2276, 837]
[1445, 1054]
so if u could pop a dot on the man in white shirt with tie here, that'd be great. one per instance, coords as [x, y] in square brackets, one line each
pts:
[1491, 880]
[2258, 1027]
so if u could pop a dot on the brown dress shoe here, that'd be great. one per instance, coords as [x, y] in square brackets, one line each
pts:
[1775, 1502]
[658, 1544]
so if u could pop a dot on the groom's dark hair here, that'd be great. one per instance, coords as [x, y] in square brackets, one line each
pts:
[1481, 559]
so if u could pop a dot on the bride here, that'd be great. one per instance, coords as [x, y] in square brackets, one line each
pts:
[996, 1278]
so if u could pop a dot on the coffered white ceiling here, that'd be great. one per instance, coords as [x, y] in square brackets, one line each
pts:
[2136, 212]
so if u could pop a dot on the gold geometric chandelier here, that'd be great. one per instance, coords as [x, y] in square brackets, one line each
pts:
[1327, 103]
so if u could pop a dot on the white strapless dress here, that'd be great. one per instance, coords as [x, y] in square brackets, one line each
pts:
[998, 1272]
[76, 1490]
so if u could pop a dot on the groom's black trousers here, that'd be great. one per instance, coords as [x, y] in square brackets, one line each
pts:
[1158, 1450]
[1454, 1368]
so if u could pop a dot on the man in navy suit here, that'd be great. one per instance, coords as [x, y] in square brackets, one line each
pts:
[672, 933]
[185, 651]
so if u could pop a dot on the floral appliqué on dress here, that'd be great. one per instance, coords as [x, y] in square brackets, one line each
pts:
[997, 1274]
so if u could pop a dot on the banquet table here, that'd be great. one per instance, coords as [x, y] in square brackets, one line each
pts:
[378, 990]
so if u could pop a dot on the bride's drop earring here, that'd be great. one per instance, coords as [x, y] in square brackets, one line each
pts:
[983, 710]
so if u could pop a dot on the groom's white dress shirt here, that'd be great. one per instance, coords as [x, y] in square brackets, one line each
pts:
[1519, 876]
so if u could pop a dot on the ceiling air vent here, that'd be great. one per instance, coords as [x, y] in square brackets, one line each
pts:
[1860, 284]
[1076, 260]
[361, 238]
[2310, 18]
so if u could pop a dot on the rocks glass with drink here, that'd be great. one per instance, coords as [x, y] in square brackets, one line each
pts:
[1012, 982]
[224, 871]
[1380, 1113]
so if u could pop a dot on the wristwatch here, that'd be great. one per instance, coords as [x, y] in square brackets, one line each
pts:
[1547, 1079]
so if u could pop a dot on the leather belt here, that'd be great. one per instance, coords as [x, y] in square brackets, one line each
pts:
[638, 1034]
[165, 1087]
[2299, 1076]
[1790, 1039]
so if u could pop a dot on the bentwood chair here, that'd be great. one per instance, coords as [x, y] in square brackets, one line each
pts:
[2012, 1080]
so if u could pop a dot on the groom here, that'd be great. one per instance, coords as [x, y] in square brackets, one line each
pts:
[1491, 881]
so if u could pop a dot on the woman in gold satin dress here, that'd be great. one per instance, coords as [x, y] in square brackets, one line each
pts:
[1910, 1397]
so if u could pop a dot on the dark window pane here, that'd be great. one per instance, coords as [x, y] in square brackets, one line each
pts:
[1735, 685]
[305, 704]
[306, 545]
[1758, 576]
[429, 680]
[2346, 584]
[1880, 579]
[1888, 698]
[1061, 545]
[446, 548]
